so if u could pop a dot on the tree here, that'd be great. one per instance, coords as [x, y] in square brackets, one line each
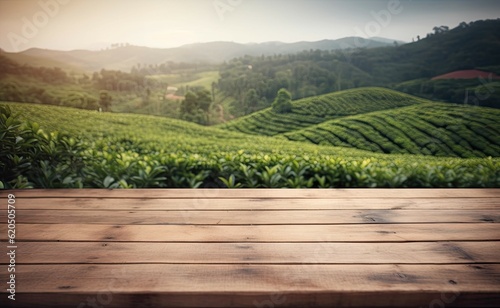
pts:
[441, 29]
[283, 102]
[105, 100]
[203, 99]
[145, 99]
[252, 101]
[196, 105]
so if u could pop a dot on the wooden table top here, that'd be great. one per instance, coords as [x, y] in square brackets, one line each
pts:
[253, 248]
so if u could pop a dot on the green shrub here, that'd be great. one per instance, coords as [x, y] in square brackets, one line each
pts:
[131, 151]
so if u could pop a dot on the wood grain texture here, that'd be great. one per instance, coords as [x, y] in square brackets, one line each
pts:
[256, 204]
[255, 248]
[263, 233]
[256, 253]
[291, 217]
[241, 285]
[353, 193]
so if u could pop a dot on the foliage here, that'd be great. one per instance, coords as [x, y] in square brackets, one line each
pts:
[476, 92]
[384, 121]
[283, 102]
[29, 157]
[435, 55]
[427, 128]
[315, 110]
[80, 100]
[118, 81]
[105, 100]
[48, 75]
[316, 72]
[124, 151]
[304, 74]
[196, 105]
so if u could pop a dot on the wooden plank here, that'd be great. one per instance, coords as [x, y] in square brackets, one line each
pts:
[358, 193]
[254, 300]
[191, 285]
[263, 233]
[251, 217]
[257, 253]
[226, 248]
[256, 204]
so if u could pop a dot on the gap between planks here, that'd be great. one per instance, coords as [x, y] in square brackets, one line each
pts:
[257, 204]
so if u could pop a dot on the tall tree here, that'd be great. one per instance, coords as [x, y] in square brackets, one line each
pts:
[105, 100]
[283, 102]
[196, 105]
[252, 101]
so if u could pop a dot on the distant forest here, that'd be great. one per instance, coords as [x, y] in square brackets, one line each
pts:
[251, 83]
[254, 81]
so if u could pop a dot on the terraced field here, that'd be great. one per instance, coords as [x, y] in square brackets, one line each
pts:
[382, 121]
[429, 129]
[315, 110]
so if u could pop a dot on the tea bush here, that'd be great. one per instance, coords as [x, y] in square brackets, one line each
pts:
[90, 149]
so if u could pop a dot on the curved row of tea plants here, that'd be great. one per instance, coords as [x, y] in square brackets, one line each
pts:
[428, 129]
[124, 151]
[315, 110]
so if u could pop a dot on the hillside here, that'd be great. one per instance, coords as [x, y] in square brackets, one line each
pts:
[318, 109]
[484, 92]
[467, 74]
[123, 58]
[40, 61]
[429, 129]
[469, 46]
[383, 121]
[94, 149]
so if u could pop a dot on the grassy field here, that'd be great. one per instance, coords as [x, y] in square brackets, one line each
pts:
[202, 79]
[91, 149]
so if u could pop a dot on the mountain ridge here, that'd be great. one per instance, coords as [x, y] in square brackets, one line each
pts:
[123, 58]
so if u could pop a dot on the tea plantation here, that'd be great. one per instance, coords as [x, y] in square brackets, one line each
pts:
[318, 109]
[47, 146]
[429, 129]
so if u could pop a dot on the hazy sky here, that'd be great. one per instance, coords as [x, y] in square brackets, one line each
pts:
[92, 24]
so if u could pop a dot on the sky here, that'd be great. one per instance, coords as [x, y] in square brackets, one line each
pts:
[95, 24]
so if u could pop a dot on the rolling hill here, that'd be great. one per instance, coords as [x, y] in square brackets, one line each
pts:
[384, 121]
[406, 68]
[92, 149]
[318, 109]
[429, 129]
[123, 58]
[39, 61]
[468, 46]
[468, 74]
